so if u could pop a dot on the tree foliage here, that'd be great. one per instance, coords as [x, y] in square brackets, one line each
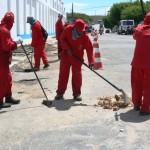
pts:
[107, 22]
[131, 13]
[124, 10]
[85, 17]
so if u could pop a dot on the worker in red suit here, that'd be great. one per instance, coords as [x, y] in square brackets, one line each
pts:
[59, 27]
[7, 45]
[66, 24]
[74, 40]
[38, 43]
[140, 73]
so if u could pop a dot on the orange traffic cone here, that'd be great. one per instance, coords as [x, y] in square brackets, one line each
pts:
[97, 56]
[94, 33]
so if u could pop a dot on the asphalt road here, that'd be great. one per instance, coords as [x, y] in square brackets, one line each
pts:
[69, 125]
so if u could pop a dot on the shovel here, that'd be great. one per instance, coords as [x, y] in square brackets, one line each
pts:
[125, 97]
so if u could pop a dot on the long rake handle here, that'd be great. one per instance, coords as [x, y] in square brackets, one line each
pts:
[120, 90]
[34, 71]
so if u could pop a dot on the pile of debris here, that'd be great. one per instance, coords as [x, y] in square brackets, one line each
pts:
[51, 46]
[20, 51]
[113, 102]
[19, 55]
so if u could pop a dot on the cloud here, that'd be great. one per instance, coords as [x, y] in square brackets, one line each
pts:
[77, 7]
[88, 8]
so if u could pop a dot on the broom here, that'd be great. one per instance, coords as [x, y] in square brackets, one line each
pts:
[125, 97]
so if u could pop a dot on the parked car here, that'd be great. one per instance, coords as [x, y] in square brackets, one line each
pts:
[107, 30]
[89, 29]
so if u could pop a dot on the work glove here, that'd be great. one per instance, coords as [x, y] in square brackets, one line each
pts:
[91, 66]
[18, 40]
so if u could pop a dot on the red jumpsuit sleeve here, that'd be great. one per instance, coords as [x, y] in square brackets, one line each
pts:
[89, 50]
[6, 41]
[59, 29]
[62, 26]
[64, 43]
[135, 34]
[34, 35]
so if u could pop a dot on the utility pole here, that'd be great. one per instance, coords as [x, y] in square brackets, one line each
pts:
[142, 7]
[72, 11]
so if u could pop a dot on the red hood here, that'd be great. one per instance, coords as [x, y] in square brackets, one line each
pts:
[147, 19]
[8, 20]
[79, 25]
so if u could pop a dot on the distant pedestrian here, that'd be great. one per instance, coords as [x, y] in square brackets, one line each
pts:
[140, 73]
[38, 43]
[7, 45]
[74, 41]
[59, 27]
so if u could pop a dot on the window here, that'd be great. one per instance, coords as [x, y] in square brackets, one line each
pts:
[127, 22]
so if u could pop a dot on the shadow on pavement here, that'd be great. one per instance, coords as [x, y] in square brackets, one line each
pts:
[133, 116]
[4, 111]
[53, 61]
[66, 104]
[60, 105]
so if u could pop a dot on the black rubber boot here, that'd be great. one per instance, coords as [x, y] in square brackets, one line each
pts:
[58, 97]
[46, 66]
[4, 105]
[77, 98]
[137, 108]
[12, 100]
[144, 113]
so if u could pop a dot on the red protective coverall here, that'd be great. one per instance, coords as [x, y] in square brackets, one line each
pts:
[6, 48]
[77, 47]
[59, 29]
[140, 73]
[38, 43]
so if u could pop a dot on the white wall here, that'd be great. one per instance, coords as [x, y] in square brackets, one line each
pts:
[3, 7]
[46, 11]
[12, 5]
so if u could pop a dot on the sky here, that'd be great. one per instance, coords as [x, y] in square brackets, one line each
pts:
[92, 7]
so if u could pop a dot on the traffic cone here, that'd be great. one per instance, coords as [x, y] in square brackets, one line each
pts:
[94, 33]
[97, 56]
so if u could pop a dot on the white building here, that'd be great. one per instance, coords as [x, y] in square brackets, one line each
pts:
[46, 11]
